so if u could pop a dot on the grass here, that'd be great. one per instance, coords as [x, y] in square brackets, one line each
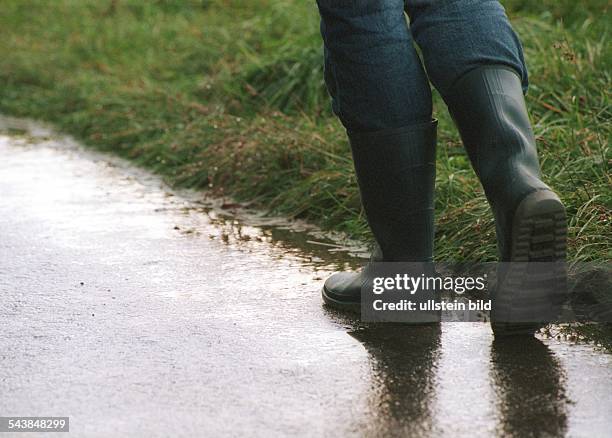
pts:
[228, 95]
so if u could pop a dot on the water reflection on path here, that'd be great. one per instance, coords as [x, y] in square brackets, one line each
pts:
[140, 311]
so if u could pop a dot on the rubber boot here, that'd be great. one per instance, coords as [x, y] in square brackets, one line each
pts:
[488, 107]
[396, 174]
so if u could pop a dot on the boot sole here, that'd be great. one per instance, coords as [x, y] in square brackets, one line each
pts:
[539, 234]
[345, 306]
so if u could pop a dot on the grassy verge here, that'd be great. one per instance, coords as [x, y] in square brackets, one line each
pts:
[228, 95]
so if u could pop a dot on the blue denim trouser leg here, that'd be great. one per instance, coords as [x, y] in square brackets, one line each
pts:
[375, 76]
[457, 36]
[372, 70]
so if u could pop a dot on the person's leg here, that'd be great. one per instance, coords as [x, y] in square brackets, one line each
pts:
[458, 36]
[475, 60]
[372, 71]
[381, 94]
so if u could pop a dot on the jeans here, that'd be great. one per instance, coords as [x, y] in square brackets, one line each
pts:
[373, 72]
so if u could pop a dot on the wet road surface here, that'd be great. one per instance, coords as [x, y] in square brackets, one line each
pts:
[141, 312]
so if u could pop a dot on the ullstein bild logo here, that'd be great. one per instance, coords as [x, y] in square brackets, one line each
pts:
[526, 292]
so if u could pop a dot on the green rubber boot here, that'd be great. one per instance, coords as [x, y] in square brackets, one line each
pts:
[489, 109]
[396, 174]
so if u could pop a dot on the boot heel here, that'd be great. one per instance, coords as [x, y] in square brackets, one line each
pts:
[539, 234]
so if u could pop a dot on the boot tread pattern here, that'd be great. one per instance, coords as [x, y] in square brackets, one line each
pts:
[539, 236]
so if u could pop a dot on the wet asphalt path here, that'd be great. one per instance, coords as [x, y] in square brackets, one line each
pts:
[139, 312]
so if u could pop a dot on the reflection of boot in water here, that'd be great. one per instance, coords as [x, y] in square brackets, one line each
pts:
[529, 384]
[403, 361]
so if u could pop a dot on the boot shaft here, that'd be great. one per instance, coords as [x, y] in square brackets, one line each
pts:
[396, 174]
[489, 110]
